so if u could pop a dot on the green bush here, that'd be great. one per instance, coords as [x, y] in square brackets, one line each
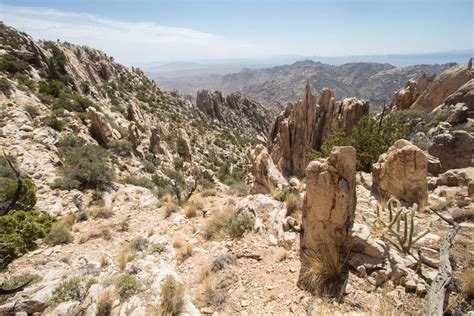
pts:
[74, 103]
[27, 199]
[59, 234]
[369, 138]
[72, 289]
[5, 170]
[5, 86]
[121, 147]
[126, 286]
[31, 110]
[51, 87]
[19, 231]
[85, 167]
[12, 64]
[239, 223]
[25, 80]
[69, 142]
[143, 182]
[139, 243]
[54, 122]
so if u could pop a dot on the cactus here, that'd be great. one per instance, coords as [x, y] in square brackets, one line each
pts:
[401, 225]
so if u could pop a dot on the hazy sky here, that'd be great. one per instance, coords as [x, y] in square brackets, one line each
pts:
[143, 31]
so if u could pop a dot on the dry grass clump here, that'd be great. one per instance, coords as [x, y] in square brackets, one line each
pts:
[211, 294]
[322, 270]
[60, 232]
[172, 297]
[106, 232]
[169, 209]
[125, 256]
[123, 225]
[104, 262]
[101, 212]
[178, 241]
[468, 284]
[214, 228]
[281, 254]
[104, 304]
[190, 210]
[183, 249]
[293, 203]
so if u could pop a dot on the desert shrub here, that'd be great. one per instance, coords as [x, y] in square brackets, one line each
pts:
[215, 227]
[19, 231]
[121, 147]
[148, 166]
[5, 86]
[123, 226]
[52, 88]
[59, 234]
[239, 223]
[73, 103]
[105, 303]
[72, 289]
[69, 142]
[172, 297]
[230, 176]
[54, 122]
[126, 285]
[468, 283]
[143, 182]
[31, 110]
[8, 188]
[239, 188]
[139, 244]
[369, 138]
[157, 247]
[293, 203]
[169, 209]
[85, 167]
[12, 64]
[25, 80]
[322, 270]
[5, 169]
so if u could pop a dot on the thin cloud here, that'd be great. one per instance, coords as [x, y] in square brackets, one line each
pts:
[128, 42]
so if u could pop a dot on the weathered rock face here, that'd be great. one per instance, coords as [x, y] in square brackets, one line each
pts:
[401, 173]
[183, 145]
[464, 94]
[210, 103]
[135, 115]
[443, 86]
[330, 199]
[100, 127]
[134, 135]
[304, 125]
[237, 111]
[407, 95]
[155, 145]
[267, 177]
[454, 149]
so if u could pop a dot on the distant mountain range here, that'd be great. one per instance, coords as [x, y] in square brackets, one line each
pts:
[275, 86]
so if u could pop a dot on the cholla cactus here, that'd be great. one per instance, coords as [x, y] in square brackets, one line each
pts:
[401, 225]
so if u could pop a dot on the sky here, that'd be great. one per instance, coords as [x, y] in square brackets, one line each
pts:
[143, 31]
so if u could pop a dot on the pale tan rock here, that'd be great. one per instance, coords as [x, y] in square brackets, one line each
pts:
[155, 142]
[183, 145]
[446, 83]
[330, 199]
[407, 95]
[134, 114]
[266, 176]
[101, 129]
[402, 173]
[454, 149]
[134, 135]
[304, 125]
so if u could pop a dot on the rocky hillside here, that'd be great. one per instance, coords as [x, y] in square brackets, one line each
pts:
[236, 111]
[119, 198]
[277, 86]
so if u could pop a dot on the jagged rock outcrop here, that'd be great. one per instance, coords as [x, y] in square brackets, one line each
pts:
[304, 125]
[210, 102]
[155, 145]
[446, 83]
[183, 145]
[135, 115]
[407, 95]
[241, 114]
[134, 135]
[101, 129]
[454, 149]
[401, 173]
[330, 199]
[266, 176]
[464, 95]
